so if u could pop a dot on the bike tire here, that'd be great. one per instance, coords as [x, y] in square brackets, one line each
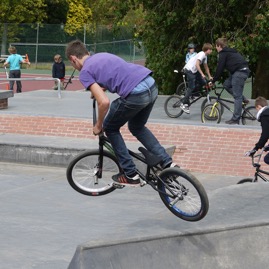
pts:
[212, 99]
[246, 180]
[193, 202]
[181, 89]
[172, 106]
[81, 173]
[249, 116]
[211, 114]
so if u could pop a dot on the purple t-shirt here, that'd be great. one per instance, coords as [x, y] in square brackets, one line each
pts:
[112, 73]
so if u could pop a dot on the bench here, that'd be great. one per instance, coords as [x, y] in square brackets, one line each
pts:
[4, 95]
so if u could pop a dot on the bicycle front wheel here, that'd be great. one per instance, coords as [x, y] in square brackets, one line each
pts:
[212, 99]
[82, 173]
[246, 180]
[249, 116]
[172, 106]
[211, 114]
[183, 194]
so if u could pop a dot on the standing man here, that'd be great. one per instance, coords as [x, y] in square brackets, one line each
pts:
[14, 60]
[195, 75]
[239, 71]
[137, 94]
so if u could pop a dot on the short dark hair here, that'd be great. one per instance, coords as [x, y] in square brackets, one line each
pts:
[76, 48]
[261, 101]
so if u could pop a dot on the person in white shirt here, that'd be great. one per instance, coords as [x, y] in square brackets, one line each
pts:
[195, 74]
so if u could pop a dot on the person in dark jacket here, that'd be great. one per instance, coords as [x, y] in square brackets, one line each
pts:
[262, 107]
[58, 71]
[231, 60]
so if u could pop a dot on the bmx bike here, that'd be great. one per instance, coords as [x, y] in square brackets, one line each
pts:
[212, 113]
[173, 102]
[259, 173]
[90, 173]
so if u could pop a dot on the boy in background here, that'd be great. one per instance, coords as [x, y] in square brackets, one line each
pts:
[191, 52]
[58, 71]
[261, 105]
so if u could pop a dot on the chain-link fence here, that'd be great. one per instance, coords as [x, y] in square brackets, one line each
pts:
[42, 41]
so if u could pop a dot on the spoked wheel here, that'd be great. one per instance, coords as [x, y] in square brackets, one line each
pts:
[212, 100]
[246, 180]
[181, 89]
[172, 106]
[249, 116]
[211, 114]
[82, 173]
[183, 194]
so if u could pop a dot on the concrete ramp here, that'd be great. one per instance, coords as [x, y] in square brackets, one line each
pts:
[234, 234]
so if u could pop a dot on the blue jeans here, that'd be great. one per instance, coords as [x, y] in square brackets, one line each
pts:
[194, 80]
[234, 84]
[134, 109]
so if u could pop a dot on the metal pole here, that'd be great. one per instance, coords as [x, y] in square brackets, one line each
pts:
[36, 51]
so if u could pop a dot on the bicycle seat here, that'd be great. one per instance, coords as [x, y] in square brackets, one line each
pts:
[151, 159]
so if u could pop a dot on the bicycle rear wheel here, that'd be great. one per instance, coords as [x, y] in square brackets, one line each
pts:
[183, 194]
[211, 114]
[249, 116]
[246, 180]
[172, 106]
[82, 172]
[181, 89]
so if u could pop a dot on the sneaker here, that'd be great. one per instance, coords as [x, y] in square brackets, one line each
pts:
[185, 108]
[124, 180]
[170, 165]
[232, 122]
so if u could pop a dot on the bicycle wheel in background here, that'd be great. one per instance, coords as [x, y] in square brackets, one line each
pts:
[249, 116]
[211, 114]
[183, 194]
[212, 99]
[172, 106]
[82, 173]
[181, 89]
[246, 180]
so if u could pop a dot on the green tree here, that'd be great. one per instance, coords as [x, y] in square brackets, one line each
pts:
[19, 11]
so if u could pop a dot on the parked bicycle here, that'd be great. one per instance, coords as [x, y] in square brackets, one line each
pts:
[90, 173]
[213, 112]
[259, 173]
[172, 103]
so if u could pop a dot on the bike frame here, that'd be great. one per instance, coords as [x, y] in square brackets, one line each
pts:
[150, 171]
[259, 173]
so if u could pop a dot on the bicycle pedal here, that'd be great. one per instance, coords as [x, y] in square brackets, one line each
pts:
[118, 186]
[142, 183]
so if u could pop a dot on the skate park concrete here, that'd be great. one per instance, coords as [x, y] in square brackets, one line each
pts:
[46, 224]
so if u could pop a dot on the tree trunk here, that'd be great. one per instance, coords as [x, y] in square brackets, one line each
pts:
[4, 40]
[261, 81]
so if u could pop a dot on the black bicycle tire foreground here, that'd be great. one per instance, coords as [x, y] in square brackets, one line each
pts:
[192, 204]
[82, 170]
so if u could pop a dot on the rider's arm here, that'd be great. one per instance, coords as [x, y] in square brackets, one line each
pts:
[198, 66]
[103, 106]
[207, 71]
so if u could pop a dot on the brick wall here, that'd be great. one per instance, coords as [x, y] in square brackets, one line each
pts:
[213, 150]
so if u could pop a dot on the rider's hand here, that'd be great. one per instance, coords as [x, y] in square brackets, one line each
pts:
[251, 152]
[266, 148]
[96, 130]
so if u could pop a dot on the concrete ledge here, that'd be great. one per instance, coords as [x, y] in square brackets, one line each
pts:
[6, 94]
[50, 151]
